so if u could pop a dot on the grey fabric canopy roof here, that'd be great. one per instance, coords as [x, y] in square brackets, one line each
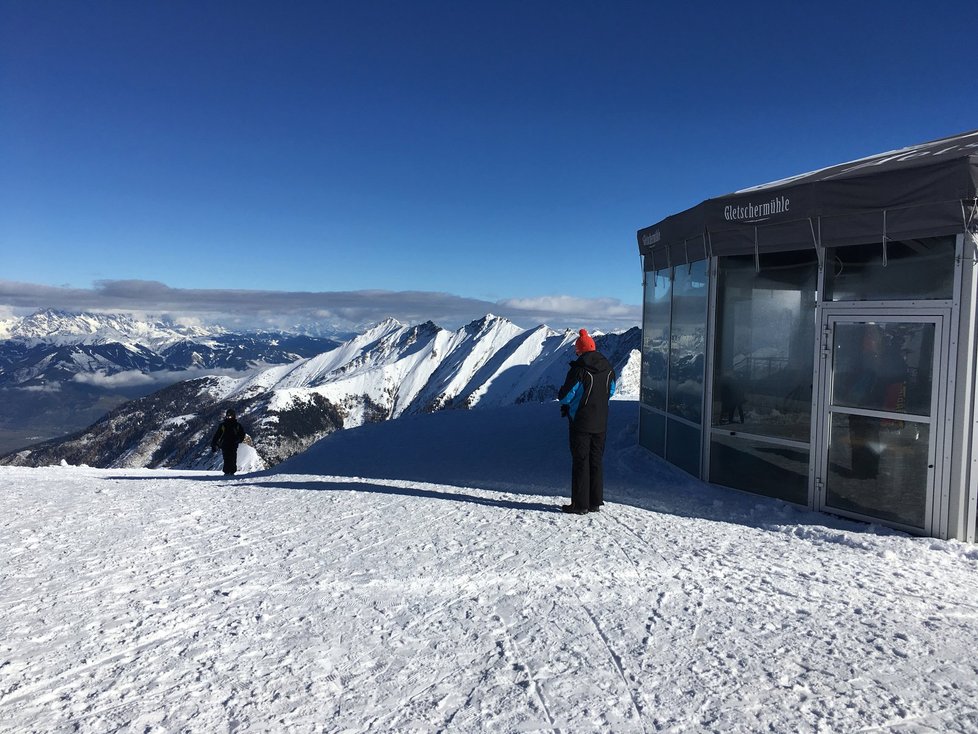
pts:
[925, 190]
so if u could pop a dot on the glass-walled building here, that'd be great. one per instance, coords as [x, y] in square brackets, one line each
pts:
[815, 340]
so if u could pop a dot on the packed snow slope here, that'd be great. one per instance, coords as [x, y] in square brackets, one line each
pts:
[416, 575]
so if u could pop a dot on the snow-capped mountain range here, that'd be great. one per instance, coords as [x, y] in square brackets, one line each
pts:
[53, 346]
[60, 327]
[389, 371]
[59, 371]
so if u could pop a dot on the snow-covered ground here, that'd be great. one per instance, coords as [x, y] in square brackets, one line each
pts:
[417, 575]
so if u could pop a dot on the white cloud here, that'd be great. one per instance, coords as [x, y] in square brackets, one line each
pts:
[130, 378]
[342, 309]
[582, 309]
[47, 387]
[135, 378]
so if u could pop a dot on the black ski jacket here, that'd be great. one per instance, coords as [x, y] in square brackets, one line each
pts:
[589, 385]
[229, 435]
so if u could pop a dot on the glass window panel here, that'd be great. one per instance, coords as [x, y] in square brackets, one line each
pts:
[652, 431]
[655, 338]
[760, 467]
[879, 468]
[765, 344]
[914, 269]
[884, 366]
[683, 447]
[687, 355]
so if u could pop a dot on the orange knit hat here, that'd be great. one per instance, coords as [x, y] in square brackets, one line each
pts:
[584, 343]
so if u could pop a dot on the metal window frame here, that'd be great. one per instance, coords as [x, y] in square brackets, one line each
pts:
[713, 272]
[963, 506]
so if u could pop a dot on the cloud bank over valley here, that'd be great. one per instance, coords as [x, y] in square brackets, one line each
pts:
[353, 310]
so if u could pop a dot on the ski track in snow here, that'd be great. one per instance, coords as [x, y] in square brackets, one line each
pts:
[180, 601]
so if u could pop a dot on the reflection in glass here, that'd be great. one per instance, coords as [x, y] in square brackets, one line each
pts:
[765, 337]
[683, 446]
[652, 431]
[655, 338]
[879, 468]
[914, 269]
[884, 366]
[687, 355]
[760, 467]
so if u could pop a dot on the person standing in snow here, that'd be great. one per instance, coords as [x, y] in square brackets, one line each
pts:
[584, 399]
[229, 434]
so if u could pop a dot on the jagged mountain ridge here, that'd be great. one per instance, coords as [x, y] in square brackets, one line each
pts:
[388, 371]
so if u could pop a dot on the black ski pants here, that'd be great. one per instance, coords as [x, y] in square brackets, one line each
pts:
[230, 459]
[587, 468]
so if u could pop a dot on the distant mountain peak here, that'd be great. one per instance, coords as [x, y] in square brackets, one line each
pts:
[387, 323]
[488, 322]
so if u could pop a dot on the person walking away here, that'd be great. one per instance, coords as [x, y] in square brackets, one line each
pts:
[584, 399]
[227, 437]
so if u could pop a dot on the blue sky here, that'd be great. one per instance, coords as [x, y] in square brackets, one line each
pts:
[503, 153]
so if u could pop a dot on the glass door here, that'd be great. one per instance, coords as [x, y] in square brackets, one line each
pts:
[880, 421]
